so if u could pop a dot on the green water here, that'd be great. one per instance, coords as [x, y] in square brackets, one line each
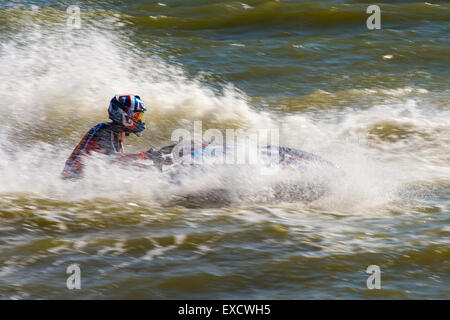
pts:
[374, 102]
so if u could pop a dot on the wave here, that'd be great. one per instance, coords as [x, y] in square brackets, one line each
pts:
[252, 16]
[274, 15]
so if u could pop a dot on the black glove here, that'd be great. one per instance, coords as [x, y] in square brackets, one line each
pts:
[155, 155]
[167, 149]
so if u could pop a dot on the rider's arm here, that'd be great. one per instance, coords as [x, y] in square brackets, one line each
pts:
[132, 156]
[145, 155]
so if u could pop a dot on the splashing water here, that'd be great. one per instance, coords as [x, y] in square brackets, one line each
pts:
[388, 205]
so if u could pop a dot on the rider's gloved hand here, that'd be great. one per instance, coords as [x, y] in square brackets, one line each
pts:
[152, 154]
[156, 156]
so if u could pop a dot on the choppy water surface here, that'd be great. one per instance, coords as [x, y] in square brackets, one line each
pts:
[373, 102]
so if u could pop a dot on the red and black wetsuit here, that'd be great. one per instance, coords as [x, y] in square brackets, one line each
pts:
[105, 138]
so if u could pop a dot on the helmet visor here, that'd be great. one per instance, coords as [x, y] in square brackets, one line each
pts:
[138, 116]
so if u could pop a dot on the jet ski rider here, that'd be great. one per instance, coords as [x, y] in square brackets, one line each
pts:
[126, 113]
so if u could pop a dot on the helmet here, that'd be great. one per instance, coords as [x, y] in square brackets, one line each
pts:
[128, 110]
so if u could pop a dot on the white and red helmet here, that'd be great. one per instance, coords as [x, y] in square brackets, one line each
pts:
[128, 110]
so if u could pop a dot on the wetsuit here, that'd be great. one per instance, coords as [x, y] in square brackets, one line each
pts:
[105, 138]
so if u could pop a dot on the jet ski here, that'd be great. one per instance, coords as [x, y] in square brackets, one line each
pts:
[286, 174]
